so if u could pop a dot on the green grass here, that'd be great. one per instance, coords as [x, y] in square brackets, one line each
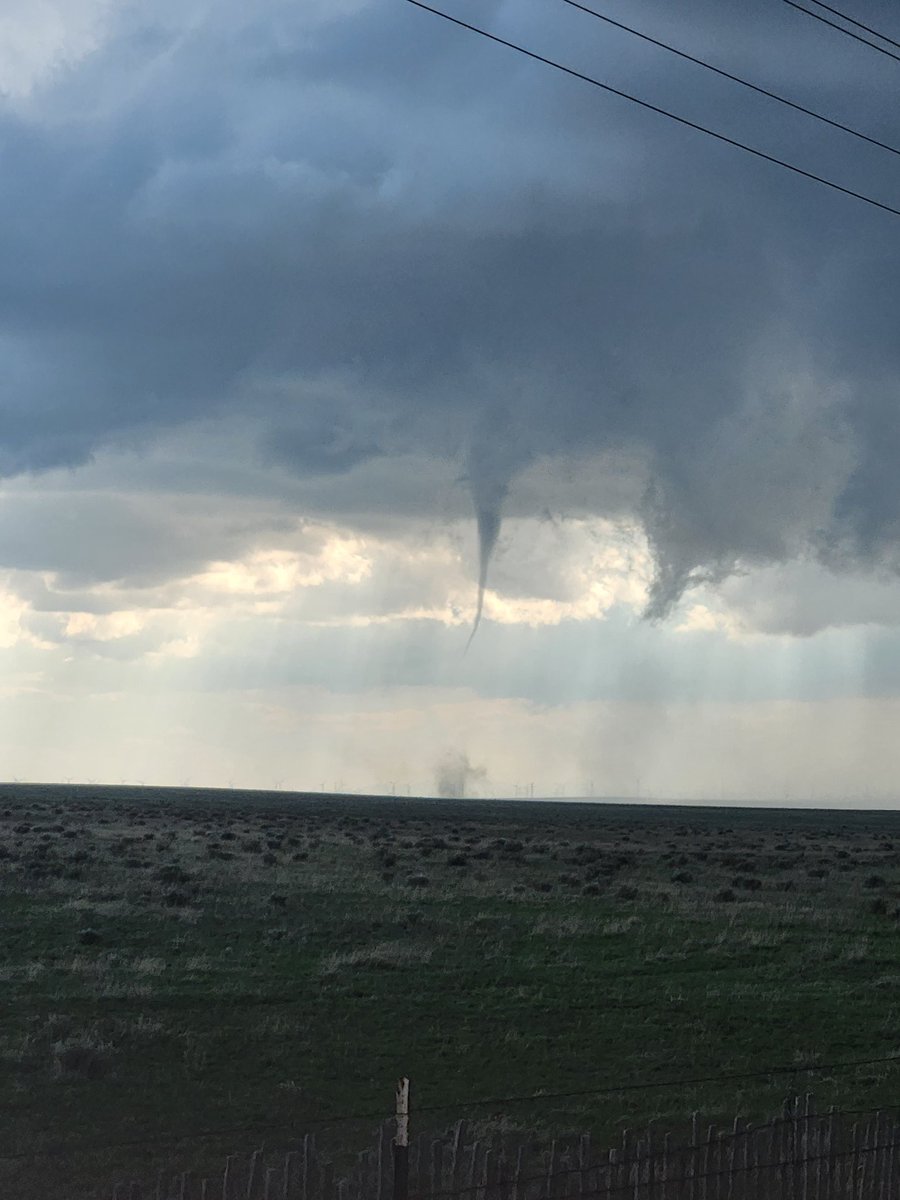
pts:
[153, 987]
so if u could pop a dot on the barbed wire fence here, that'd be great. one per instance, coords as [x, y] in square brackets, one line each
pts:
[799, 1154]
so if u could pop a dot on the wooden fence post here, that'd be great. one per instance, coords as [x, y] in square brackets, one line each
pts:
[256, 1169]
[401, 1142]
[693, 1164]
[456, 1156]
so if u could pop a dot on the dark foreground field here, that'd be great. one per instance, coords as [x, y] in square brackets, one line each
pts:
[178, 962]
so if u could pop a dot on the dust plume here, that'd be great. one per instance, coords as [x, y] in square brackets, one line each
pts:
[455, 776]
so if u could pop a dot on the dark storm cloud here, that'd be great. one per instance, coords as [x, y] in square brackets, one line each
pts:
[375, 236]
[90, 538]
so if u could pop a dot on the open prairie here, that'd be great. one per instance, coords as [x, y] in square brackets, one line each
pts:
[178, 963]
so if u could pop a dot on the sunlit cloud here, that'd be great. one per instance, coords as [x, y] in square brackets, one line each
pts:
[41, 37]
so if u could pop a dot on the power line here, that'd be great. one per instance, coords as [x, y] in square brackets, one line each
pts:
[457, 1106]
[734, 78]
[649, 1085]
[840, 28]
[853, 21]
[606, 87]
[198, 1135]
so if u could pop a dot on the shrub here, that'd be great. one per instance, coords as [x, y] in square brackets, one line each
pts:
[82, 1059]
[748, 882]
[172, 873]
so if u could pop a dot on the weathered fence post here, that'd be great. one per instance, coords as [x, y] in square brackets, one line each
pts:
[290, 1160]
[732, 1150]
[436, 1166]
[705, 1161]
[253, 1178]
[859, 1138]
[226, 1177]
[517, 1191]
[552, 1168]
[456, 1156]
[748, 1159]
[805, 1142]
[401, 1142]
[584, 1164]
[667, 1141]
[693, 1164]
[893, 1133]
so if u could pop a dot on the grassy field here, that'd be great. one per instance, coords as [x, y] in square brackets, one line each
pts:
[178, 961]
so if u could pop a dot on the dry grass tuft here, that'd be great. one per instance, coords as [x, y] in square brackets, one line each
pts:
[386, 955]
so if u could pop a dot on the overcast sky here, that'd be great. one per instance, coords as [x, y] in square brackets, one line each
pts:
[297, 299]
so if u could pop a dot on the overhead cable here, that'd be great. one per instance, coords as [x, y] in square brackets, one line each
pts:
[700, 62]
[606, 87]
[840, 28]
[457, 1106]
[853, 21]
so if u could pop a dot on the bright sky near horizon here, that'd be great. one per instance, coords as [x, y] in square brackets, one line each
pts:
[289, 290]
